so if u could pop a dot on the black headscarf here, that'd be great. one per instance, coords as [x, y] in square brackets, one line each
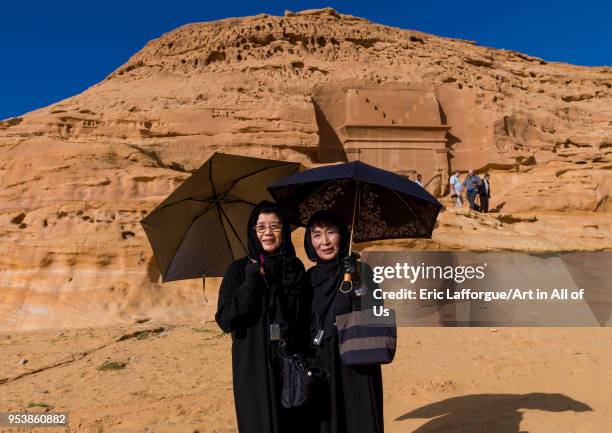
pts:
[326, 276]
[284, 272]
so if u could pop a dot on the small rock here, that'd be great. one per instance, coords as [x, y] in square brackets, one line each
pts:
[23, 361]
[142, 320]
[493, 330]
[485, 62]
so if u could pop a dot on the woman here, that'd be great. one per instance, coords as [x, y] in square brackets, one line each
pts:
[351, 401]
[261, 304]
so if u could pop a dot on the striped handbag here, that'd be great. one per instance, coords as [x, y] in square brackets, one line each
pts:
[365, 339]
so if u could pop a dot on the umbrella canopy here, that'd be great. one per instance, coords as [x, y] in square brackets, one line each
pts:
[200, 228]
[375, 203]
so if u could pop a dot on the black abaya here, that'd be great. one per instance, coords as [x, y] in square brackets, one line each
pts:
[351, 400]
[248, 304]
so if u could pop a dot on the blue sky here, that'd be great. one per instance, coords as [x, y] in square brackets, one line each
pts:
[52, 50]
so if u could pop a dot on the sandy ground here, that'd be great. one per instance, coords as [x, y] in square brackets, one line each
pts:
[451, 380]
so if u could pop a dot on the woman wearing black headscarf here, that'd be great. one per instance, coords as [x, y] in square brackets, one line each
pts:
[261, 302]
[351, 401]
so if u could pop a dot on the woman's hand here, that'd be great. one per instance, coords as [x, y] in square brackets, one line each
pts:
[349, 264]
[252, 273]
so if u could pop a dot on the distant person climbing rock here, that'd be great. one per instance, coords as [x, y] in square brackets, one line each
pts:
[419, 180]
[471, 184]
[455, 188]
[485, 193]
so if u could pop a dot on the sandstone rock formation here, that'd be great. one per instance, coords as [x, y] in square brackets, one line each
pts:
[77, 176]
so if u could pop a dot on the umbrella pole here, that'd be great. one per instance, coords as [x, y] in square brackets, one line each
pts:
[347, 276]
[353, 222]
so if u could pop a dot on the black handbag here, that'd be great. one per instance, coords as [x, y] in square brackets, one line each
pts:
[298, 379]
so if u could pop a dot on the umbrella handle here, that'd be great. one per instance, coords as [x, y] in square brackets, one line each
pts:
[346, 280]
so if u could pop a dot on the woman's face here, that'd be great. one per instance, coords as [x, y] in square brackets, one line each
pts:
[325, 241]
[269, 231]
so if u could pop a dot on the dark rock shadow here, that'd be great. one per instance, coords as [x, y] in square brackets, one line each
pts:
[330, 146]
[443, 118]
[497, 208]
[153, 271]
[489, 413]
[451, 140]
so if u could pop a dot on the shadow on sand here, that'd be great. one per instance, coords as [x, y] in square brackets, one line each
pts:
[488, 413]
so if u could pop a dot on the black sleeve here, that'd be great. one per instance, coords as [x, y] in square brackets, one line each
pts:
[236, 298]
[303, 315]
[298, 300]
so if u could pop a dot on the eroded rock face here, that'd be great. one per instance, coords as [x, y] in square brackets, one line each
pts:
[77, 176]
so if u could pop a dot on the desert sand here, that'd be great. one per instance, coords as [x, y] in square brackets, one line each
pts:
[451, 380]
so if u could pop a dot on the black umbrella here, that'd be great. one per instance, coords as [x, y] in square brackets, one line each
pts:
[375, 203]
[200, 228]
